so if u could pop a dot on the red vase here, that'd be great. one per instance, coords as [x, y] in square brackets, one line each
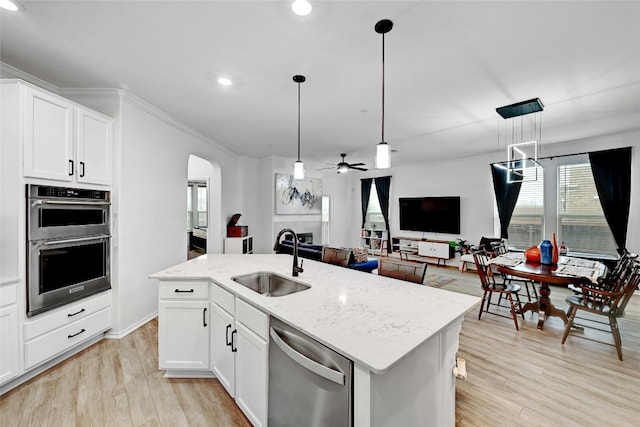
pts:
[554, 243]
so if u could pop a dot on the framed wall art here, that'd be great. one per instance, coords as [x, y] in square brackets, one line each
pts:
[298, 196]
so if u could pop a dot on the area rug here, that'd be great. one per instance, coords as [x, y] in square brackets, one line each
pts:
[436, 280]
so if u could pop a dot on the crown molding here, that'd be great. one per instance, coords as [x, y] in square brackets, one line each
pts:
[151, 109]
[8, 72]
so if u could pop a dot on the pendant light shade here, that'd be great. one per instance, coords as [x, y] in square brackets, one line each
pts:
[383, 155]
[298, 166]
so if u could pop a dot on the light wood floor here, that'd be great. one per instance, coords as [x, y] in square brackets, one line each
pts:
[514, 379]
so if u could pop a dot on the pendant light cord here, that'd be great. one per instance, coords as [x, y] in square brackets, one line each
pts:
[382, 88]
[298, 121]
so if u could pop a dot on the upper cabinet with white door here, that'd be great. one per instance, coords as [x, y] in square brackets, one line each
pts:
[64, 141]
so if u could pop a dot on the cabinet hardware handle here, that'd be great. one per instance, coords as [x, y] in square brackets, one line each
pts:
[71, 163]
[227, 335]
[233, 347]
[204, 317]
[76, 334]
[82, 169]
[76, 313]
[178, 291]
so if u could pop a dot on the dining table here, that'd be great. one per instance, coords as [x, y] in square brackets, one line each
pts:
[568, 270]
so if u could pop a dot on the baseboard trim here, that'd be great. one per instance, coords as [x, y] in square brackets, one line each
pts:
[122, 334]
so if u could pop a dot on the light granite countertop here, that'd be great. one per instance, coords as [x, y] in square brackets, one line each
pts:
[373, 320]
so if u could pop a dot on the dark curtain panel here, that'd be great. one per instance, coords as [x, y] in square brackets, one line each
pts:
[612, 175]
[506, 197]
[383, 184]
[365, 189]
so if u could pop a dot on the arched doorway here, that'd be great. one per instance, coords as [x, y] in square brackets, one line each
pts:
[204, 223]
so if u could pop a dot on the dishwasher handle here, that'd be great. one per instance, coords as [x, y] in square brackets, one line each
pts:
[313, 366]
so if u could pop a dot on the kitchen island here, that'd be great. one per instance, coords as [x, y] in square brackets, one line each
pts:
[401, 337]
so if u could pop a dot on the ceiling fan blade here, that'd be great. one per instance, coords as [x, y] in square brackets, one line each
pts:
[324, 169]
[360, 169]
[356, 164]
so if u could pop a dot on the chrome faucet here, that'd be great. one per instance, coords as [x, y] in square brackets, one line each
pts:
[296, 269]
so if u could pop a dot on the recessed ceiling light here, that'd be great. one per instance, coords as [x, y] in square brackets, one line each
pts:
[301, 7]
[225, 81]
[13, 6]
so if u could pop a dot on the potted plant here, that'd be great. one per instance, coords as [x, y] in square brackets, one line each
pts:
[462, 246]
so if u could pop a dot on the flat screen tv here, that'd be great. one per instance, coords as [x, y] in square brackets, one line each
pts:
[434, 214]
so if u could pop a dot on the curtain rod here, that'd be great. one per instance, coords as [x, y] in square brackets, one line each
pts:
[568, 155]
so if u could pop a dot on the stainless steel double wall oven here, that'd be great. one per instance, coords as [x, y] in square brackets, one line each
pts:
[68, 233]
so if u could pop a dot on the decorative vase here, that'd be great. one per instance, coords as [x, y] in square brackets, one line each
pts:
[554, 243]
[546, 252]
[532, 254]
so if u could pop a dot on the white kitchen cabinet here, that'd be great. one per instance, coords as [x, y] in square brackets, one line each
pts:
[183, 327]
[94, 148]
[54, 332]
[64, 141]
[223, 359]
[9, 343]
[49, 136]
[240, 352]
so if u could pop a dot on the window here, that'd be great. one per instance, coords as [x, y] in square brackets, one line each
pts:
[527, 222]
[581, 222]
[374, 218]
[563, 200]
[196, 199]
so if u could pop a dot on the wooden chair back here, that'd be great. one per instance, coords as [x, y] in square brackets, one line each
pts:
[487, 278]
[612, 302]
[336, 256]
[403, 270]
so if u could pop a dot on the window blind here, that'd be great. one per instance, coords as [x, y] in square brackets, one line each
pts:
[581, 222]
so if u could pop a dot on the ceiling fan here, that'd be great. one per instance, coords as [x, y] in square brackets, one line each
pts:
[344, 167]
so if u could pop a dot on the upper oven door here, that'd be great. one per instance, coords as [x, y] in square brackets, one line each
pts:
[56, 219]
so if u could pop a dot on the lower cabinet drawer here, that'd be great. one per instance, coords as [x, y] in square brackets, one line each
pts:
[57, 341]
[183, 290]
[252, 318]
[65, 315]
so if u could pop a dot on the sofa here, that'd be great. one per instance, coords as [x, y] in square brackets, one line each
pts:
[337, 256]
[485, 244]
[305, 250]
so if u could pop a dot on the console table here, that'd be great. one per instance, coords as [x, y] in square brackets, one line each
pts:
[423, 248]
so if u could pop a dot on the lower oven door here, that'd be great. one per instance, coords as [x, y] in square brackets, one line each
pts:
[62, 271]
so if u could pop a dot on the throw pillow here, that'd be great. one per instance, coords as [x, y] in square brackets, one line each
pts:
[360, 254]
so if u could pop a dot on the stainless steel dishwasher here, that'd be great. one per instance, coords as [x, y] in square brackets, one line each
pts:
[309, 384]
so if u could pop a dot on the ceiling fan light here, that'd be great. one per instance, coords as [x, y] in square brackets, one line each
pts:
[301, 7]
[383, 156]
[343, 169]
[298, 170]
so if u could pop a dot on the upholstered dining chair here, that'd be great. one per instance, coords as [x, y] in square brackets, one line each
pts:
[490, 286]
[336, 256]
[404, 270]
[499, 248]
[611, 303]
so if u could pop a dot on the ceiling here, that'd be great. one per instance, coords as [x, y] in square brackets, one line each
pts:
[448, 66]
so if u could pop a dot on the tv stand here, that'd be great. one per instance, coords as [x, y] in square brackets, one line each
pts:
[419, 248]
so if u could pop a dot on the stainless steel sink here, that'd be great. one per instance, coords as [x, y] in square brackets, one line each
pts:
[270, 284]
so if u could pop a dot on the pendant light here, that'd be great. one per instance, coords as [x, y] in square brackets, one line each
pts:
[383, 157]
[298, 166]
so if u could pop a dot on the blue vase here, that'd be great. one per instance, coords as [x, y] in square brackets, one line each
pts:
[546, 252]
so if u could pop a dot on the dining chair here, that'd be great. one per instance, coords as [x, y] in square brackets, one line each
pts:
[499, 248]
[610, 279]
[490, 286]
[410, 271]
[599, 302]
